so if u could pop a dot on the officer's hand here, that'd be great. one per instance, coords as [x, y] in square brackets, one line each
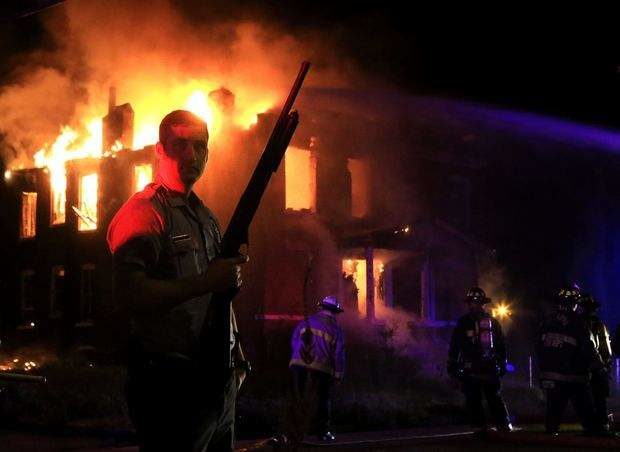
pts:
[224, 274]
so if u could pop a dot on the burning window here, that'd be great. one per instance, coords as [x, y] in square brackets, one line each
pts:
[59, 199]
[28, 227]
[87, 218]
[57, 291]
[300, 177]
[27, 288]
[142, 176]
[87, 293]
[360, 193]
[354, 282]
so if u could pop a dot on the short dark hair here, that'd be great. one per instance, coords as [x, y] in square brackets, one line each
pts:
[177, 117]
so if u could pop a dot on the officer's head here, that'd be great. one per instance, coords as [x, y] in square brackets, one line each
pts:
[182, 149]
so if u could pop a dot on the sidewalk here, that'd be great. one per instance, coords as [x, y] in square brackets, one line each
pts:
[449, 438]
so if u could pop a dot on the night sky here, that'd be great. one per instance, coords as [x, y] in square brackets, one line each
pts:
[562, 62]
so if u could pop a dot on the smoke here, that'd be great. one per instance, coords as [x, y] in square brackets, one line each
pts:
[495, 283]
[492, 280]
[400, 334]
[147, 49]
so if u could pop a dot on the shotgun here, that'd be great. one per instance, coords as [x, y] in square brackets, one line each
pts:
[215, 339]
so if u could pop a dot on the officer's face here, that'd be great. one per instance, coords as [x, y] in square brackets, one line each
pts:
[187, 148]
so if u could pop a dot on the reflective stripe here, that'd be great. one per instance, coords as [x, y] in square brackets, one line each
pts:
[563, 377]
[320, 333]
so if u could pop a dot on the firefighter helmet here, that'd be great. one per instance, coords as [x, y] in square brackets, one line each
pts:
[477, 295]
[330, 303]
[568, 294]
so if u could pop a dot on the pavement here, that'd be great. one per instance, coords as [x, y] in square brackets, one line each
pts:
[449, 438]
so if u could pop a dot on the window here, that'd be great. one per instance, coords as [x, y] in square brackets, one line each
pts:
[57, 290]
[360, 193]
[300, 179]
[59, 198]
[27, 288]
[142, 176]
[87, 294]
[354, 284]
[87, 217]
[28, 226]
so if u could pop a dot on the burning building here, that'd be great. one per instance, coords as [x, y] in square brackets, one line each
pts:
[344, 214]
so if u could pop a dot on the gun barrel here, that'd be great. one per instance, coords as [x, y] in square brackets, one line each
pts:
[283, 118]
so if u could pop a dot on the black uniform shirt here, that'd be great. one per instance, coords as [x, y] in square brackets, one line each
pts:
[168, 236]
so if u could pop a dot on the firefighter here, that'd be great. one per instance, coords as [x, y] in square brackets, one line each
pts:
[566, 357]
[317, 362]
[164, 242]
[600, 378]
[477, 358]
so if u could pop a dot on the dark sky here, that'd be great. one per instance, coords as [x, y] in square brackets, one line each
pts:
[562, 62]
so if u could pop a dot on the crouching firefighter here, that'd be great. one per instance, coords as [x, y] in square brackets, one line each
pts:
[601, 377]
[477, 358]
[566, 357]
[317, 361]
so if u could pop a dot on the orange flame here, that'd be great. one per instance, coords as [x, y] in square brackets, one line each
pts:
[86, 140]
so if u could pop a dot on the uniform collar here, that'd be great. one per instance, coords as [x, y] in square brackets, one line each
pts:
[177, 199]
[190, 203]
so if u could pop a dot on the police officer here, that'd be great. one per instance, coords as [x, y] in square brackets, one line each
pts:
[164, 242]
[477, 358]
[601, 376]
[566, 357]
[317, 361]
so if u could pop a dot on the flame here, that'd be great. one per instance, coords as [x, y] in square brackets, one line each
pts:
[194, 96]
[151, 102]
[117, 146]
[300, 179]
[69, 145]
[142, 175]
[15, 364]
[248, 117]
[198, 104]
[88, 202]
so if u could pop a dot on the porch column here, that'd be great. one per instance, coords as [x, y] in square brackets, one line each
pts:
[370, 283]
